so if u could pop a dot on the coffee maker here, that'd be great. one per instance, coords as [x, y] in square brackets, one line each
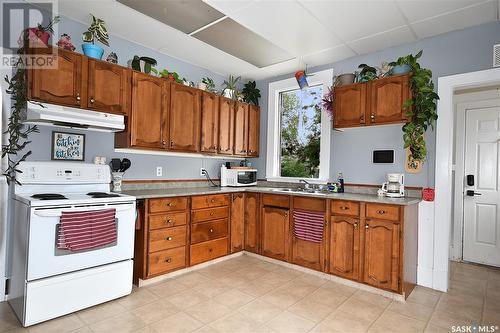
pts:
[394, 187]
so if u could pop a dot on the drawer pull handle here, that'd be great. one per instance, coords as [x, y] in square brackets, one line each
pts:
[381, 212]
[168, 238]
[211, 230]
[169, 221]
[210, 250]
[211, 213]
[212, 201]
[169, 204]
[92, 100]
[344, 207]
[168, 260]
[78, 98]
[355, 226]
[367, 226]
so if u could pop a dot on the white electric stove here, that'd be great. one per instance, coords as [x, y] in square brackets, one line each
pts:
[47, 282]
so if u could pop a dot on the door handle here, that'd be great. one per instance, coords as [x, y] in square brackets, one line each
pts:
[471, 193]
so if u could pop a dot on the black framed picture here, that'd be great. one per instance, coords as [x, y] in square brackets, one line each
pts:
[68, 146]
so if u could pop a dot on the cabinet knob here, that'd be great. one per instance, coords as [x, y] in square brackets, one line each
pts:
[212, 201]
[381, 212]
[168, 260]
[367, 226]
[355, 226]
[372, 117]
[211, 230]
[171, 143]
[163, 142]
[169, 204]
[78, 98]
[92, 100]
[169, 221]
[211, 213]
[169, 238]
[362, 118]
[344, 208]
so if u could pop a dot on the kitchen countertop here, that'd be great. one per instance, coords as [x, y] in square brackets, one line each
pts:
[175, 192]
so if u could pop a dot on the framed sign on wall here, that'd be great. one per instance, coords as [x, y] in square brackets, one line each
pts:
[68, 146]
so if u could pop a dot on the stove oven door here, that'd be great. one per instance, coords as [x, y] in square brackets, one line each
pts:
[45, 259]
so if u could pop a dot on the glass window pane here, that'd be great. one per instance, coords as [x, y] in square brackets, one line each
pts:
[300, 124]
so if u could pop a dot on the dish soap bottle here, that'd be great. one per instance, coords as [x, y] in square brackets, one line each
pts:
[340, 181]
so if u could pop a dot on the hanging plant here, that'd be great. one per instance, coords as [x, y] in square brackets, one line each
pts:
[421, 108]
[16, 131]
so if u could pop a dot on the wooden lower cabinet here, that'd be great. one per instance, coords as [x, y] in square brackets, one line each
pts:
[344, 247]
[252, 222]
[275, 229]
[382, 254]
[166, 261]
[237, 222]
[208, 250]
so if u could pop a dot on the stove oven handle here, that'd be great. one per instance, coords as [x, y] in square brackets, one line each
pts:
[57, 212]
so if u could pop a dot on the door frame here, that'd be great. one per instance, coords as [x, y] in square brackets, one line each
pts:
[447, 85]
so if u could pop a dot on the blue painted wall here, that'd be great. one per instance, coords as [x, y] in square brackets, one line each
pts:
[455, 52]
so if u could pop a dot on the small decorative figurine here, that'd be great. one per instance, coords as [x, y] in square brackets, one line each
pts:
[112, 58]
[65, 42]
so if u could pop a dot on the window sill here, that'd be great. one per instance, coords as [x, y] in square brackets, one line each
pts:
[296, 180]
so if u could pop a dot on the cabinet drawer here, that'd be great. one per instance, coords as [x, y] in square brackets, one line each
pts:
[276, 200]
[207, 201]
[381, 211]
[167, 220]
[168, 204]
[209, 214]
[165, 261]
[341, 207]
[314, 204]
[167, 238]
[201, 232]
[205, 251]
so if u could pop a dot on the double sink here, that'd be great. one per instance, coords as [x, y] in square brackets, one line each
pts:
[301, 190]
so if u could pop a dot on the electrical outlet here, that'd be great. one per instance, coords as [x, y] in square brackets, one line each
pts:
[202, 171]
[159, 171]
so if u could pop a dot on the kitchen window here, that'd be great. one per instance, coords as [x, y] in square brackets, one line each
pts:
[298, 139]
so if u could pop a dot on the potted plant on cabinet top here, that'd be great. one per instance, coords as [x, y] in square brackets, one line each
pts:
[404, 64]
[40, 35]
[209, 83]
[229, 90]
[143, 64]
[250, 93]
[97, 30]
[367, 73]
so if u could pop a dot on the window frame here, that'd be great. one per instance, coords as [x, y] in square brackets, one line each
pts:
[273, 155]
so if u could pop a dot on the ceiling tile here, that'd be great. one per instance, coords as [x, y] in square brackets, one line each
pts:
[352, 20]
[287, 67]
[475, 15]
[288, 25]
[416, 10]
[233, 38]
[329, 56]
[382, 41]
[228, 6]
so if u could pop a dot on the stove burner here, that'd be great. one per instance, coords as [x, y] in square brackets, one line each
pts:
[102, 195]
[48, 196]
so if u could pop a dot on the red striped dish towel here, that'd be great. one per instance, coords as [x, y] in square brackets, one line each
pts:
[86, 230]
[308, 225]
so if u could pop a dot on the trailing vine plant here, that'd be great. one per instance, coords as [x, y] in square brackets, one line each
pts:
[18, 132]
[421, 107]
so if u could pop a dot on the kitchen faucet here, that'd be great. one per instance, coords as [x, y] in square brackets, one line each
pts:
[307, 185]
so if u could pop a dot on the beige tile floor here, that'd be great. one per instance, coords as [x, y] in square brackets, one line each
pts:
[246, 294]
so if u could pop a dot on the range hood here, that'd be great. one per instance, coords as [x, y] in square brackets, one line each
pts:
[65, 116]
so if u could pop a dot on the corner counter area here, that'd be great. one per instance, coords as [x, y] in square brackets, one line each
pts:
[349, 237]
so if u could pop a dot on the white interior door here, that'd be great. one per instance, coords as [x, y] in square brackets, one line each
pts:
[482, 197]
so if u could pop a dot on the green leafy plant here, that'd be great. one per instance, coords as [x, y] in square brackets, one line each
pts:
[149, 63]
[367, 73]
[209, 82]
[421, 108]
[97, 30]
[230, 84]
[250, 93]
[172, 76]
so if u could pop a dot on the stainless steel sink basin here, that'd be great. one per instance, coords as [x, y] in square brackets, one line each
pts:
[300, 190]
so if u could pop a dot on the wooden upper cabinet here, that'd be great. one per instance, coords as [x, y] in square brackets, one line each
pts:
[184, 119]
[252, 222]
[381, 263]
[237, 222]
[253, 130]
[275, 227]
[108, 87]
[344, 247]
[350, 105]
[226, 126]
[149, 129]
[387, 97]
[63, 85]
[209, 122]
[240, 128]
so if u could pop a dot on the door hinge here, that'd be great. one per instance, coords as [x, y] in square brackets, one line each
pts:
[7, 286]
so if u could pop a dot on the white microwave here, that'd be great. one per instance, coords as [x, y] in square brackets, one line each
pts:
[238, 177]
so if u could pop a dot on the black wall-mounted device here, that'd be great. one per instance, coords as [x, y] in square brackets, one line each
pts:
[383, 156]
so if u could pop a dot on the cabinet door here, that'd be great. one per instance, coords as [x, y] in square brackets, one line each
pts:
[108, 87]
[237, 222]
[252, 219]
[381, 264]
[275, 228]
[344, 247]
[387, 97]
[350, 105]
[226, 126]
[184, 118]
[240, 128]
[209, 122]
[62, 85]
[149, 111]
[253, 130]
